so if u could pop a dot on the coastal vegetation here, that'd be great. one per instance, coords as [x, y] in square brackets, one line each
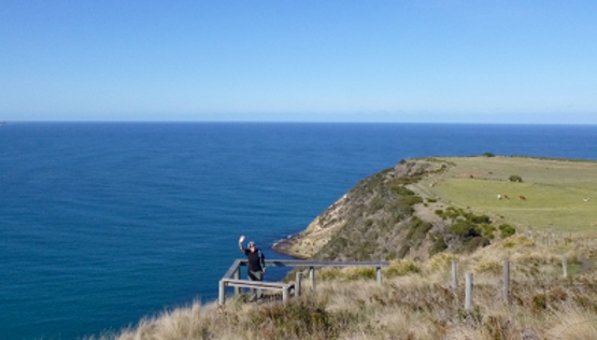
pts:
[421, 215]
[415, 301]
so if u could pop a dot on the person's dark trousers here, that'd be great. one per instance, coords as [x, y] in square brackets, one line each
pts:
[256, 276]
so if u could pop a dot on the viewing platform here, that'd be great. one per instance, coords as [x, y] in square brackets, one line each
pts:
[232, 277]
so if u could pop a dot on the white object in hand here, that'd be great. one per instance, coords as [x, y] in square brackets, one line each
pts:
[241, 239]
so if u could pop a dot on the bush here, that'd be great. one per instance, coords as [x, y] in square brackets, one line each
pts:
[438, 245]
[464, 229]
[401, 268]
[346, 274]
[477, 219]
[506, 230]
[515, 178]
[488, 154]
[487, 231]
[418, 231]
[302, 319]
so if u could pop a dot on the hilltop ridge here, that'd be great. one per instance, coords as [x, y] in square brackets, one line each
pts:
[424, 206]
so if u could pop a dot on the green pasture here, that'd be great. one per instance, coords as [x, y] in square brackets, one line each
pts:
[559, 195]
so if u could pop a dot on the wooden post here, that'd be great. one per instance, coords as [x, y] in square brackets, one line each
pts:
[297, 283]
[468, 292]
[378, 274]
[564, 267]
[454, 276]
[312, 277]
[285, 295]
[236, 276]
[221, 293]
[506, 282]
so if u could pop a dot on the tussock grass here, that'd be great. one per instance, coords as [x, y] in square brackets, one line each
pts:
[414, 302]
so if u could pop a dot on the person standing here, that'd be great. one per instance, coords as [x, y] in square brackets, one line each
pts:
[256, 263]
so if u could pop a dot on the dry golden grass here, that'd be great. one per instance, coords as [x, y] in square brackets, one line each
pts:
[413, 304]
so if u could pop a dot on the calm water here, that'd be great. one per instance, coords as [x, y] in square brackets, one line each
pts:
[104, 223]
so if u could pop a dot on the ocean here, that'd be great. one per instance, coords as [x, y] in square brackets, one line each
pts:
[104, 223]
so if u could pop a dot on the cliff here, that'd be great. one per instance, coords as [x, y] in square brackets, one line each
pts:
[385, 216]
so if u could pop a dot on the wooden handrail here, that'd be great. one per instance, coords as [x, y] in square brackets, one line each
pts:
[232, 275]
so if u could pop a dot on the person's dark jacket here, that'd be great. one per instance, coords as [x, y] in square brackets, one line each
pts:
[256, 260]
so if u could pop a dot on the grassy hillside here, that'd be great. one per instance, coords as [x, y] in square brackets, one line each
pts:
[414, 302]
[560, 195]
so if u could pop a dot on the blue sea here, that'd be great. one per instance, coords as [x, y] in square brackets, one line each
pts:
[104, 223]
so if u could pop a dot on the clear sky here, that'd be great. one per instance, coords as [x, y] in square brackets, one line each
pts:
[397, 61]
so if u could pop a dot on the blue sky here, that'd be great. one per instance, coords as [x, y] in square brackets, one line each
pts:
[395, 61]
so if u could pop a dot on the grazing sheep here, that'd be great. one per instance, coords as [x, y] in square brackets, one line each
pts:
[586, 199]
[500, 197]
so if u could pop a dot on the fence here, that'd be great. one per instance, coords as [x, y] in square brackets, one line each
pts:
[504, 288]
[232, 277]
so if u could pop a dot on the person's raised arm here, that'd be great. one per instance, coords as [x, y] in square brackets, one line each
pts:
[240, 243]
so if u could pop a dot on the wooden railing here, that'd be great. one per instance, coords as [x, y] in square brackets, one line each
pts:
[232, 276]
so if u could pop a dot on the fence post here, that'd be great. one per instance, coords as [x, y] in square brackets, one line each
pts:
[506, 282]
[454, 276]
[378, 275]
[312, 277]
[285, 295]
[564, 267]
[468, 292]
[221, 293]
[237, 277]
[297, 283]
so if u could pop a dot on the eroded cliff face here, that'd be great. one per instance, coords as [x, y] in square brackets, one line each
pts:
[382, 217]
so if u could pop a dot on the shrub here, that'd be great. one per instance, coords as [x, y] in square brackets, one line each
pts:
[418, 230]
[472, 243]
[438, 245]
[488, 154]
[401, 268]
[401, 190]
[487, 231]
[478, 218]
[493, 267]
[452, 212]
[515, 178]
[346, 274]
[506, 230]
[303, 319]
[360, 273]
[464, 229]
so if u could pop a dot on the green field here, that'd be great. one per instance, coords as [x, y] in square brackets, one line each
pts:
[559, 195]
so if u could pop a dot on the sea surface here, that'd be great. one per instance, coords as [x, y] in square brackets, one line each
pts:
[104, 223]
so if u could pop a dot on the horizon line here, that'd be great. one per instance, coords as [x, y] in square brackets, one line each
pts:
[294, 122]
